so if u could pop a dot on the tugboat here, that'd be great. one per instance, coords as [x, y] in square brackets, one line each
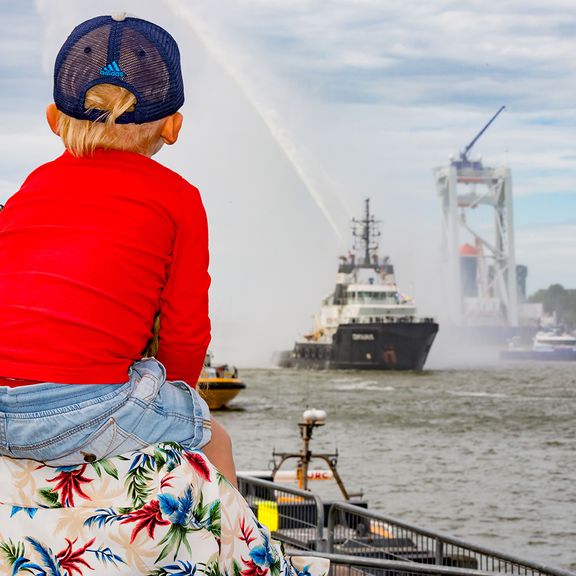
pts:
[366, 323]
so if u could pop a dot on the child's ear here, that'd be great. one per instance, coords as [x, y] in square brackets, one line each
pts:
[52, 114]
[171, 128]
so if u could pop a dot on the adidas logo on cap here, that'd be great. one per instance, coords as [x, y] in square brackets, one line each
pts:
[111, 69]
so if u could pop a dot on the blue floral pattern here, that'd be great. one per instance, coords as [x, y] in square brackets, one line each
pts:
[161, 511]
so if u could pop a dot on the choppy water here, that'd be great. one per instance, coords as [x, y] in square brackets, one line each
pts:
[484, 454]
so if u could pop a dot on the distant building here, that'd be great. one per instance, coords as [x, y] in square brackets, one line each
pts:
[521, 276]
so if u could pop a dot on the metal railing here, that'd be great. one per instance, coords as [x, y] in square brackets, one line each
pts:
[295, 517]
[343, 565]
[360, 542]
[356, 531]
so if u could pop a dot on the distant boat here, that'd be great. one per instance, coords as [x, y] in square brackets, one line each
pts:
[219, 384]
[366, 323]
[553, 344]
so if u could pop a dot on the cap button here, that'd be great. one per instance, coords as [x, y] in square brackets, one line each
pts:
[119, 16]
[89, 457]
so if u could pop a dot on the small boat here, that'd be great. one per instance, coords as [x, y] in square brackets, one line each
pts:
[552, 344]
[219, 384]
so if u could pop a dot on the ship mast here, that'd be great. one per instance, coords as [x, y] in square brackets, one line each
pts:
[366, 234]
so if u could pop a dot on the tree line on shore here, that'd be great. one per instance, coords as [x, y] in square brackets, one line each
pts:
[559, 302]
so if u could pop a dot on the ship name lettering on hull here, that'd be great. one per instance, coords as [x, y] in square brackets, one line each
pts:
[362, 336]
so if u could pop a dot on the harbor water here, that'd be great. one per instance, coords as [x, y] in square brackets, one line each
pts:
[485, 454]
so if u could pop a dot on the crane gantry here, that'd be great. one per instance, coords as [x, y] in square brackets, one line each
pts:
[464, 185]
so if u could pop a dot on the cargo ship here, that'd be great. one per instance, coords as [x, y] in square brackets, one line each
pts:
[366, 323]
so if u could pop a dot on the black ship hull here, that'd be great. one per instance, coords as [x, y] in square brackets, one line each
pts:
[374, 346]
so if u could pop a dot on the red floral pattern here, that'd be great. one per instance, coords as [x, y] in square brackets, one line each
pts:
[149, 516]
[71, 560]
[198, 462]
[162, 510]
[69, 482]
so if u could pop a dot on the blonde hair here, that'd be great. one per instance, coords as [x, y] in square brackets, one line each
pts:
[82, 137]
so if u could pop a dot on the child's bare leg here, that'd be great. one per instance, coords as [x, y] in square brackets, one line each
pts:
[219, 452]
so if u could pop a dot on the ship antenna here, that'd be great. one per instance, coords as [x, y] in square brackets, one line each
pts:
[367, 233]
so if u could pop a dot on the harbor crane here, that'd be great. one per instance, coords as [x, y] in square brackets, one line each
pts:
[490, 298]
[464, 160]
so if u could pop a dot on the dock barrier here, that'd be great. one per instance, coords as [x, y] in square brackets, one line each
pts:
[360, 542]
[295, 517]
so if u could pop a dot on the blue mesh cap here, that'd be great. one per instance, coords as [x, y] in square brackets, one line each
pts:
[125, 51]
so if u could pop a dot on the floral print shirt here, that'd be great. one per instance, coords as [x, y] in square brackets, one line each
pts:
[161, 511]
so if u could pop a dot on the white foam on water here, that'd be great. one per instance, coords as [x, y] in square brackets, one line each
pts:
[364, 385]
[343, 380]
[477, 394]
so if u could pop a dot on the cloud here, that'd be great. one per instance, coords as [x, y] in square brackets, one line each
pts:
[366, 97]
[18, 25]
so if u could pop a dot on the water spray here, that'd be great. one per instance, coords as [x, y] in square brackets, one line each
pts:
[267, 115]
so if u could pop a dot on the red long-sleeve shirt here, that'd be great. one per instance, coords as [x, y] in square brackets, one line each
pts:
[90, 250]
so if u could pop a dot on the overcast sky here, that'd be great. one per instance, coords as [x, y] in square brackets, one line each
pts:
[297, 110]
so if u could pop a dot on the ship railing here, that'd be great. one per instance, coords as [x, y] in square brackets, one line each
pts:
[356, 531]
[390, 319]
[376, 542]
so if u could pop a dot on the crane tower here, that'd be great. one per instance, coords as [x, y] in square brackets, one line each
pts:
[481, 274]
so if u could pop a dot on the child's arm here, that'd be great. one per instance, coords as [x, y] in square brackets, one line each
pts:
[219, 452]
[184, 322]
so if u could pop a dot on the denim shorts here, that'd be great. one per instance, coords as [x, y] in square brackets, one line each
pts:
[69, 424]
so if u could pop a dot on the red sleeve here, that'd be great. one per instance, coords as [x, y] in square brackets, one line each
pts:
[184, 322]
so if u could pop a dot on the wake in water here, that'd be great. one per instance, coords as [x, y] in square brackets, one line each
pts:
[477, 394]
[364, 385]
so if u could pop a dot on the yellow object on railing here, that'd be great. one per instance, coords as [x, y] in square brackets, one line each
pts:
[267, 513]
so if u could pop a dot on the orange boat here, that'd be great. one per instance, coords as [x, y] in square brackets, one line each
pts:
[219, 384]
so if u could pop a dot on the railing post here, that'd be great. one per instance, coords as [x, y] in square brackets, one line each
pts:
[320, 539]
[330, 528]
[439, 552]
